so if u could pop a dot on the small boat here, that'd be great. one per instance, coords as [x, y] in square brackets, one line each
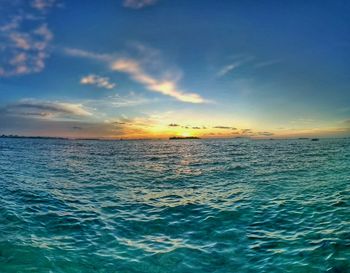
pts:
[315, 139]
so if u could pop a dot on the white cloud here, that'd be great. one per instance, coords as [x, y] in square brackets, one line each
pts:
[24, 49]
[242, 60]
[20, 40]
[98, 81]
[43, 5]
[138, 4]
[238, 61]
[130, 100]
[228, 68]
[75, 52]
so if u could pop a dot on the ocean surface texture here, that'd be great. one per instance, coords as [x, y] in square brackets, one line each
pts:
[174, 206]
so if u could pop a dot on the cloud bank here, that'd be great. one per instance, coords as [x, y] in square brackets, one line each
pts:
[45, 109]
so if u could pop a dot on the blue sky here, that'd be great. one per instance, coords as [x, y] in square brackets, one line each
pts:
[132, 68]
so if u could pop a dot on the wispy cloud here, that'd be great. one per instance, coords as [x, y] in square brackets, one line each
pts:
[137, 70]
[246, 131]
[166, 87]
[228, 68]
[265, 133]
[45, 109]
[138, 4]
[187, 126]
[102, 82]
[43, 5]
[25, 49]
[238, 61]
[128, 100]
[80, 53]
[267, 63]
[225, 127]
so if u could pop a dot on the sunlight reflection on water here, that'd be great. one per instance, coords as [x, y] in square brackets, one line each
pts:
[163, 206]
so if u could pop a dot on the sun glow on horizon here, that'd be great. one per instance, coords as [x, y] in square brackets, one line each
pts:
[186, 134]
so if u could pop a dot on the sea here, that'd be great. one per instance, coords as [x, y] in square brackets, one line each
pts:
[206, 205]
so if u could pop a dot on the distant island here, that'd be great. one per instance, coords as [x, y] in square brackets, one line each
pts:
[57, 138]
[180, 138]
[31, 137]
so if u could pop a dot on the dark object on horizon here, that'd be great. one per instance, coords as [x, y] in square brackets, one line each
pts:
[314, 139]
[303, 138]
[178, 138]
[96, 139]
[31, 137]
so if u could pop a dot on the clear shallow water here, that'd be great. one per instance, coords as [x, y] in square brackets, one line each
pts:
[174, 206]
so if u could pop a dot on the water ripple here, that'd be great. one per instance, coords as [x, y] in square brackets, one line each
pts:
[184, 206]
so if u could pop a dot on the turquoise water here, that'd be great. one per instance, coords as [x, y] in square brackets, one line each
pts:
[174, 206]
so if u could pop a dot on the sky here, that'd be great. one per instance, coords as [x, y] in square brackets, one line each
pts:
[160, 68]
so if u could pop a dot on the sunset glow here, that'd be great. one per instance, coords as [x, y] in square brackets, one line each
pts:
[174, 136]
[247, 75]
